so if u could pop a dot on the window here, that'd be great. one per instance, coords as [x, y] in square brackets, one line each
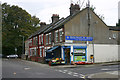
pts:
[61, 35]
[42, 39]
[46, 39]
[34, 41]
[114, 35]
[56, 36]
[40, 52]
[49, 38]
[30, 42]
[39, 39]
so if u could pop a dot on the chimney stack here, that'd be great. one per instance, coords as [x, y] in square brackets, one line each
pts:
[55, 18]
[42, 24]
[74, 8]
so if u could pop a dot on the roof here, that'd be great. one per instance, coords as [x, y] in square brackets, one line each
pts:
[59, 23]
[63, 21]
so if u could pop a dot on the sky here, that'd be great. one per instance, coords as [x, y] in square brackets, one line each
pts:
[44, 9]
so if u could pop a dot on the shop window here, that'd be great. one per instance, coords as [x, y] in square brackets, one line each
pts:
[79, 55]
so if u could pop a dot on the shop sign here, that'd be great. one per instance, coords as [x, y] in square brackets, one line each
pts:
[79, 50]
[78, 38]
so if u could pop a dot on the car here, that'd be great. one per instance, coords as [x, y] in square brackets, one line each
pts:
[12, 56]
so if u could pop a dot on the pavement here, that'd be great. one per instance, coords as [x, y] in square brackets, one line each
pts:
[111, 74]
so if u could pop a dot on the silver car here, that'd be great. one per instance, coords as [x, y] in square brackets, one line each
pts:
[12, 56]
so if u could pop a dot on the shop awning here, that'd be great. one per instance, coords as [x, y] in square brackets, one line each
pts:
[51, 49]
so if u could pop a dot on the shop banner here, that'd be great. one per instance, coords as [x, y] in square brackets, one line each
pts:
[78, 38]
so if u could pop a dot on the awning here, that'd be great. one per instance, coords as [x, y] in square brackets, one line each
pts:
[51, 49]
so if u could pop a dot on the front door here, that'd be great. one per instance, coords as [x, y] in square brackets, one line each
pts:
[67, 55]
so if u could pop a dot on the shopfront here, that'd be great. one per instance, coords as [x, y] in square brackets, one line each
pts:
[74, 53]
[80, 54]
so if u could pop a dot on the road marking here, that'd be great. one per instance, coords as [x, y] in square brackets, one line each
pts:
[26, 68]
[60, 70]
[105, 69]
[113, 72]
[75, 75]
[70, 73]
[65, 70]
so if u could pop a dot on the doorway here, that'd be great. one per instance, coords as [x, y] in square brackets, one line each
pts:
[67, 55]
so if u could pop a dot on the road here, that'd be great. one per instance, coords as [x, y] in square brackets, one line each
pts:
[16, 68]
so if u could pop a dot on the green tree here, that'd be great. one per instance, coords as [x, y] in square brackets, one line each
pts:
[16, 22]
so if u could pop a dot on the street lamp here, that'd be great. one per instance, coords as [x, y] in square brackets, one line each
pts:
[23, 44]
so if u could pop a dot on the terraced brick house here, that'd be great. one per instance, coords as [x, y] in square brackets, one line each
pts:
[75, 38]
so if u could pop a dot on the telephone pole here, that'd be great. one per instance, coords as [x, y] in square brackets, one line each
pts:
[88, 5]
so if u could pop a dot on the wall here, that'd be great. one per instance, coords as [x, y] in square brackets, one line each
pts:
[78, 26]
[103, 52]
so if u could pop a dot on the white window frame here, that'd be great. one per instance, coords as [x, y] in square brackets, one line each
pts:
[39, 39]
[40, 52]
[114, 36]
[61, 35]
[56, 36]
[42, 38]
[49, 38]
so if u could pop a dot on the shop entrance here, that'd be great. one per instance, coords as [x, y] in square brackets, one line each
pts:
[67, 55]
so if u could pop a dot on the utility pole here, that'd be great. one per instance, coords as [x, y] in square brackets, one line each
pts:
[88, 18]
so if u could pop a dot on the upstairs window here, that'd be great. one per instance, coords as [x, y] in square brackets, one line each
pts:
[114, 36]
[56, 36]
[49, 38]
[39, 39]
[46, 39]
[34, 41]
[42, 39]
[61, 35]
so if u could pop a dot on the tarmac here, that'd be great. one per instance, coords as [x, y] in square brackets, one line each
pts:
[112, 74]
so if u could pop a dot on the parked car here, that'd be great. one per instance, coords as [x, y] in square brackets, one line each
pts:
[12, 56]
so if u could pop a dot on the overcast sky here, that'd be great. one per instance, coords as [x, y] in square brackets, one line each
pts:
[44, 9]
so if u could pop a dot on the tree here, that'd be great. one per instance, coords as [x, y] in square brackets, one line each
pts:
[16, 22]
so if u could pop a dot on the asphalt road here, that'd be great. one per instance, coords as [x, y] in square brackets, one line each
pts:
[16, 68]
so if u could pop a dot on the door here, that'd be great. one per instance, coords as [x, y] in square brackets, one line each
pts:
[67, 55]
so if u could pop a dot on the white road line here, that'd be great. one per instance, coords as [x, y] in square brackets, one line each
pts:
[75, 75]
[60, 70]
[70, 73]
[26, 68]
[65, 70]
[105, 69]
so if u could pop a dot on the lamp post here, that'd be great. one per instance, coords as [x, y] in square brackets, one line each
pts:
[22, 44]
